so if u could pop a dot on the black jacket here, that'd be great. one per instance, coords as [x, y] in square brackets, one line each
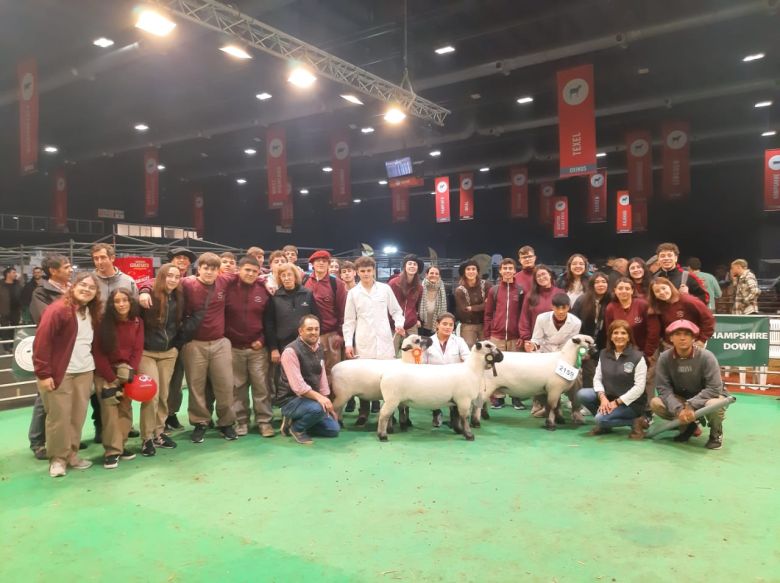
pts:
[162, 338]
[283, 313]
[43, 296]
[695, 286]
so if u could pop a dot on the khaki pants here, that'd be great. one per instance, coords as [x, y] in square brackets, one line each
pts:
[213, 360]
[471, 333]
[66, 410]
[715, 420]
[159, 366]
[398, 340]
[332, 343]
[117, 419]
[505, 345]
[251, 367]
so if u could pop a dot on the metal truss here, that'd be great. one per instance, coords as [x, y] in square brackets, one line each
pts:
[252, 32]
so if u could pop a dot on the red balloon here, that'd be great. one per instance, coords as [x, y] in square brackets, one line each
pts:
[143, 388]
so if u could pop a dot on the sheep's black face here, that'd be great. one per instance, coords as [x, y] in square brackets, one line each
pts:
[425, 342]
[498, 356]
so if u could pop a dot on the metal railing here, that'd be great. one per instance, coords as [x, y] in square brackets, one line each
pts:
[12, 388]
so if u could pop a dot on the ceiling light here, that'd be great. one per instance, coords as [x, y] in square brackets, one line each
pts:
[103, 42]
[161, 167]
[769, 134]
[524, 100]
[50, 149]
[235, 51]
[601, 155]
[382, 182]
[389, 249]
[154, 23]
[763, 104]
[642, 71]
[445, 50]
[304, 191]
[356, 201]
[327, 169]
[263, 96]
[352, 99]
[204, 155]
[368, 130]
[250, 151]
[241, 180]
[435, 154]
[141, 127]
[484, 169]
[754, 57]
[475, 96]
[301, 77]
[394, 115]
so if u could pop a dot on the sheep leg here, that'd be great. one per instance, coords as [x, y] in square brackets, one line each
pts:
[404, 421]
[388, 407]
[455, 422]
[476, 412]
[338, 405]
[464, 410]
[552, 410]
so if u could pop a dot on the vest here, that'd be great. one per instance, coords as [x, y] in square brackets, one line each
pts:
[617, 375]
[311, 370]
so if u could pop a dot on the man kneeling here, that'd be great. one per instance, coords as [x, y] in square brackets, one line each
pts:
[688, 378]
[303, 388]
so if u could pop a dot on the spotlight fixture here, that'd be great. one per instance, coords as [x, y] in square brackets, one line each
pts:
[301, 77]
[154, 23]
[394, 115]
[352, 99]
[235, 51]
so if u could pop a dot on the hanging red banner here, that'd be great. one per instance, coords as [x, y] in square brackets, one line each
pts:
[466, 196]
[772, 180]
[276, 162]
[198, 213]
[624, 217]
[676, 162]
[341, 193]
[27, 81]
[152, 183]
[518, 194]
[60, 201]
[546, 194]
[560, 217]
[576, 121]
[286, 214]
[639, 161]
[639, 216]
[400, 198]
[597, 197]
[406, 182]
[442, 199]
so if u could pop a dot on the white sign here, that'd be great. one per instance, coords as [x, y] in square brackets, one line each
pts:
[565, 371]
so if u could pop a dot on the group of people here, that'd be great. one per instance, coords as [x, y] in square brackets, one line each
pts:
[248, 337]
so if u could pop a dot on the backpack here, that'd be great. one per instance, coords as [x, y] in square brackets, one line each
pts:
[332, 279]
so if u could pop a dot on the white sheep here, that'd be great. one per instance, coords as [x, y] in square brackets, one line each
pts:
[526, 374]
[360, 377]
[434, 386]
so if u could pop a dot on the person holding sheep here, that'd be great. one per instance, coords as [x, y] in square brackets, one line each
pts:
[446, 349]
[303, 387]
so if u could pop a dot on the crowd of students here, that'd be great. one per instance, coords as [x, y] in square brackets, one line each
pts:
[247, 337]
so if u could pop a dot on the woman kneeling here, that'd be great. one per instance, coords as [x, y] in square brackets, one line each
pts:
[618, 394]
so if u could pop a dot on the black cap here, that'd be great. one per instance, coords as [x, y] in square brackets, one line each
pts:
[417, 260]
[182, 251]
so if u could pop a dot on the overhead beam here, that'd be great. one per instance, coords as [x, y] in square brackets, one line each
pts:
[252, 32]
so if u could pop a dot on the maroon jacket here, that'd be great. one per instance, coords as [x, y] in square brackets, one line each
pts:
[530, 313]
[129, 349]
[195, 293]
[524, 278]
[503, 306]
[330, 307]
[54, 341]
[637, 318]
[409, 302]
[687, 307]
[244, 309]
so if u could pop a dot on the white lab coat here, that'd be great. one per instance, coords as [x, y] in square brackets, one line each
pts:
[365, 320]
[547, 338]
[456, 351]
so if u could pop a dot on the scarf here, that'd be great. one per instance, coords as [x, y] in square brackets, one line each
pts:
[440, 306]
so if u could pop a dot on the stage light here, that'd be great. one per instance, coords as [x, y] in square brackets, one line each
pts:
[154, 23]
[394, 115]
[301, 77]
[235, 51]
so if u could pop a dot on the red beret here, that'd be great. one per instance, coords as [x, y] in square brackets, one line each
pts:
[319, 254]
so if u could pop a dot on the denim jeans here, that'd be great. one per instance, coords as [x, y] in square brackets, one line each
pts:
[308, 416]
[37, 431]
[620, 417]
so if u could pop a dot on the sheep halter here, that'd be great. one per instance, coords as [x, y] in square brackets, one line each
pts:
[417, 355]
[490, 359]
[580, 353]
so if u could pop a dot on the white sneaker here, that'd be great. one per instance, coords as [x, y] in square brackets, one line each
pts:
[242, 430]
[57, 469]
[79, 464]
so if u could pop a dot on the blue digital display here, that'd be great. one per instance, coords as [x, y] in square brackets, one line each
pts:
[400, 167]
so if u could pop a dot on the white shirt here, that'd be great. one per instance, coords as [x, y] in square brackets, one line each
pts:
[81, 358]
[365, 319]
[547, 338]
[455, 351]
[632, 394]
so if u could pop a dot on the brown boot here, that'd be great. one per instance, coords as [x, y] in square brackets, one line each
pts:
[638, 428]
[600, 430]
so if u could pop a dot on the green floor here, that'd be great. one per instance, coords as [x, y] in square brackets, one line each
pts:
[519, 503]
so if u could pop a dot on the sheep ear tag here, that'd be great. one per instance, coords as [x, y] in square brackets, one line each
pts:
[566, 372]
[417, 355]
[491, 363]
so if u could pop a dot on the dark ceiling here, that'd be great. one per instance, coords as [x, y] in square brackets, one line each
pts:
[682, 60]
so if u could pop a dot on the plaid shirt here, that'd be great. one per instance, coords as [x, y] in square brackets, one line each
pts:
[746, 293]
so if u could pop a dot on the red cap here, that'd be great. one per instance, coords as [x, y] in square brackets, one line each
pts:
[319, 254]
[682, 325]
